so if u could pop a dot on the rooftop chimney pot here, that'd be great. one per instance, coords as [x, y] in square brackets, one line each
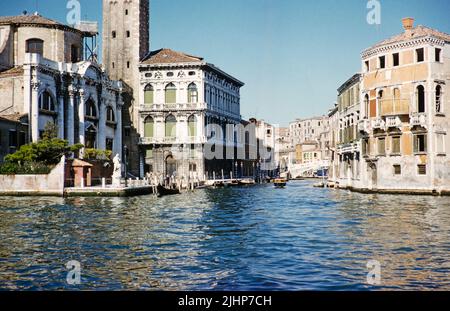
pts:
[408, 23]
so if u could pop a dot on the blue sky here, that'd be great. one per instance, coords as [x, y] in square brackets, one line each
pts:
[291, 54]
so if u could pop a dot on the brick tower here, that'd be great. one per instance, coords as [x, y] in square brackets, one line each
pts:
[126, 40]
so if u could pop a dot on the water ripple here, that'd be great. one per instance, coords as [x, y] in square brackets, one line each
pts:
[299, 238]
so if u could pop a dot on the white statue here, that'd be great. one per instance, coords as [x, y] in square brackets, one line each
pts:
[117, 172]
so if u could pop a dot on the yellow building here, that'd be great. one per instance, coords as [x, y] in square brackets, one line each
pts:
[405, 112]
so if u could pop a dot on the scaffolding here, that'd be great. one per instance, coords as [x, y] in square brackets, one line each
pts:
[90, 46]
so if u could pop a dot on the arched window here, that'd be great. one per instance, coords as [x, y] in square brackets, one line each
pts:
[110, 117]
[148, 94]
[438, 99]
[192, 126]
[192, 93]
[149, 126]
[420, 98]
[90, 137]
[366, 105]
[171, 93]
[91, 111]
[35, 46]
[46, 102]
[380, 102]
[171, 126]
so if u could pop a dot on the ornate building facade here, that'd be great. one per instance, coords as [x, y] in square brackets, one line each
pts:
[186, 102]
[45, 78]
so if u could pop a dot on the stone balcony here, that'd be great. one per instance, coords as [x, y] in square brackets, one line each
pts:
[172, 140]
[364, 126]
[393, 122]
[418, 119]
[173, 107]
[379, 124]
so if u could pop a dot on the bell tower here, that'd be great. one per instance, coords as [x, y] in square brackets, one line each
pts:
[126, 37]
[126, 40]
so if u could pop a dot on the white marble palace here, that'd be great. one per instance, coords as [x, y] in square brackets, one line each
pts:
[180, 95]
[44, 77]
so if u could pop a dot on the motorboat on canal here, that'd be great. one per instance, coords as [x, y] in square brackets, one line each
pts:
[163, 191]
[280, 182]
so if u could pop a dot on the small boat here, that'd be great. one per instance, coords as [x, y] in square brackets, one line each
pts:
[162, 191]
[319, 185]
[246, 182]
[233, 183]
[280, 182]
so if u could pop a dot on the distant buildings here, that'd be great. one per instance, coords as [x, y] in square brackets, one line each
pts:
[389, 130]
[349, 143]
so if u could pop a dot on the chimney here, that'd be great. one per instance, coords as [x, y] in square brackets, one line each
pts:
[408, 23]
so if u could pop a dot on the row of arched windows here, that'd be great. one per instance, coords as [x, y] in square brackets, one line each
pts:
[170, 94]
[170, 126]
[47, 103]
[420, 99]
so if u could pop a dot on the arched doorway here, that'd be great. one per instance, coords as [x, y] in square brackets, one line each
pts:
[171, 166]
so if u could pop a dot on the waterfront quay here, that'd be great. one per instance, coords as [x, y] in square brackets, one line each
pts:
[235, 238]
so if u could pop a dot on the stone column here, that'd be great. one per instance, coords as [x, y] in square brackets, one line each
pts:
[61, 116]
[35, 111]
[117, 145]
[81, 117]
[201, 132]
[101, 144]
[71, 116]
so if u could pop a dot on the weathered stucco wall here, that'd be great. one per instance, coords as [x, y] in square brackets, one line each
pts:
[51, 184]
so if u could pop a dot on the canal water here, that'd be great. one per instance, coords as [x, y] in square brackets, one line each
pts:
[259, 238]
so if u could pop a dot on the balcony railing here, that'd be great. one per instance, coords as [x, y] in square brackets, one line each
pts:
[393, 122]
[172, 140]
[379, 123]
[364, 126]
[172, 107]
[418, 119]
[390, 107]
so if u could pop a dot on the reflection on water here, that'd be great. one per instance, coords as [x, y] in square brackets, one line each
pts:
[260, 238]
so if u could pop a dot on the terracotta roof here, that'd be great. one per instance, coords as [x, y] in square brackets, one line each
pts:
[166, 56]
[417, 32]
[28, 19]
[16, 117]
[15, 71]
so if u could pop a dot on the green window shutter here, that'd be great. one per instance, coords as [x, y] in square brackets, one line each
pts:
[192, 128]
[149, 153]
[416, 143]
[171, 96]
[148, 128]
[148, 97]
[171, 128]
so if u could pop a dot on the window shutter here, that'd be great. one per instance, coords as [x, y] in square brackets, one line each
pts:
[416, 143]
[148, 97]
[148, 128]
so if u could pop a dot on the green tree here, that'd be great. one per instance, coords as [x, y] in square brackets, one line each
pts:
[47, 151]
[50, 131]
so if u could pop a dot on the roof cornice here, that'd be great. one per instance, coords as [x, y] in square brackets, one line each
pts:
[428, 39]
